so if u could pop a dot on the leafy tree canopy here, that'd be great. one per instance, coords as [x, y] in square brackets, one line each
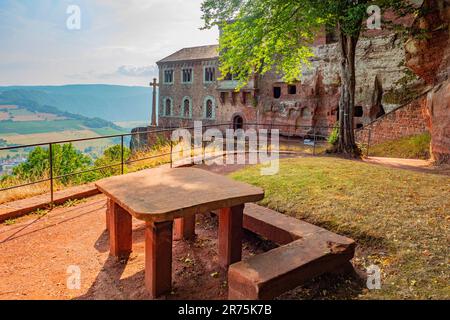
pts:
[259, 35]
[66, 160]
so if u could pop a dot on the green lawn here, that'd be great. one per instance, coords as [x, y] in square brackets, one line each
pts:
[398, 218]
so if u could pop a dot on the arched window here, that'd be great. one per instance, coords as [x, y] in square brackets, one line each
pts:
[168, 107]
[209, 106]
[187, 107]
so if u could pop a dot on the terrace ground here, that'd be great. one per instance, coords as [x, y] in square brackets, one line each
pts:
[399, 219]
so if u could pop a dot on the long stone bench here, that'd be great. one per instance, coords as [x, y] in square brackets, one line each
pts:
[307, 251]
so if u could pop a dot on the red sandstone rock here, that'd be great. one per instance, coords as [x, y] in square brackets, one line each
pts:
[430, 59]
[314, 251]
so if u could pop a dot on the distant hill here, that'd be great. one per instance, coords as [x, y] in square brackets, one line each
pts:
[25, 122]
[109, 102]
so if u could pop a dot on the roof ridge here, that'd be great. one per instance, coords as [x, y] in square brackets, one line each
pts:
[193, 53]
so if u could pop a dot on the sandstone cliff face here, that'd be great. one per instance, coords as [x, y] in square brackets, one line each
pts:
[383, 84]
[429, 58]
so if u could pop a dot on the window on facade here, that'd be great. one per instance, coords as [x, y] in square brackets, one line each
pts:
[210, 74]
[209, 109]
[228, 77]
[168, 76]
[187, 75]
[168, 107]
[223, 97]
[246, 97]
[277, 92]
[359, 112]
[186, 108]
[292, 89]
[233, 97]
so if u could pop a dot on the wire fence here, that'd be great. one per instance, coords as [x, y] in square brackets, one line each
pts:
[311, 140]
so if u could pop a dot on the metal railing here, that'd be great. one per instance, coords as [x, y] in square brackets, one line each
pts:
[288, 133]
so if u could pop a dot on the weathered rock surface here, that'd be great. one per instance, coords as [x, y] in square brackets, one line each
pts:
[429, 57]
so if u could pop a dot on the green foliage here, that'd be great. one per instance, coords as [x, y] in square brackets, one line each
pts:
[334, 136]
[261, 35]
[66, 160]
[111, 156]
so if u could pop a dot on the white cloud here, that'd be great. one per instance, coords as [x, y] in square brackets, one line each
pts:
[119, 41]
[133, 71]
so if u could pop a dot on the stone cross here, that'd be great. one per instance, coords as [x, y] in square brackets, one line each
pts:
[154, 84]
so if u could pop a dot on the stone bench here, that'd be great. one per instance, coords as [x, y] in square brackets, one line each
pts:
[307, 251]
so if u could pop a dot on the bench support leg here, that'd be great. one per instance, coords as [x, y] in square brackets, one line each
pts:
[120, 231]
[158, 258]
[184, 228]
[109, 206]
[230, 235]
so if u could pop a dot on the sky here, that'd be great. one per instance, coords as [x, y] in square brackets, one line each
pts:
[57, 42]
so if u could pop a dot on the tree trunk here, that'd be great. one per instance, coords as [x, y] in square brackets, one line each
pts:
[346, 143]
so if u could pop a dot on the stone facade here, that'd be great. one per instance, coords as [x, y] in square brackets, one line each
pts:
[311, 102]
[182, 100]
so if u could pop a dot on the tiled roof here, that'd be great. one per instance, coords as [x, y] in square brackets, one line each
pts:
[195, 53]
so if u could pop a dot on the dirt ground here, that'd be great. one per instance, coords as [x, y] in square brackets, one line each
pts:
[36, 253]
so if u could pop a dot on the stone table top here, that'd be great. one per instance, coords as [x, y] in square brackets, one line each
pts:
[164, 194]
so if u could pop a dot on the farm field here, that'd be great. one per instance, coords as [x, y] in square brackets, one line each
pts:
[95, 147]
[131, 124]
[35, 127]
[20, 126]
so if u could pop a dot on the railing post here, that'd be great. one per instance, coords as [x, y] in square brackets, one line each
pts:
[122, 155]
[203, 151]
[171, 150]
[50, 158]
[368, 142]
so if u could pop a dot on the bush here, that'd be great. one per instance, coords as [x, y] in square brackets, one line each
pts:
[334, 137]
[111, 156]
[66, 160]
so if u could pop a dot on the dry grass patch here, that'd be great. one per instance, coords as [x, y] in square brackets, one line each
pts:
[400, 219]
[412, 147]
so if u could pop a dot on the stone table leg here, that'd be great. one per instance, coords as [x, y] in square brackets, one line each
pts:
[184, 228]
[120, 231]
[158, 257]
[230, 235]
[109, 205]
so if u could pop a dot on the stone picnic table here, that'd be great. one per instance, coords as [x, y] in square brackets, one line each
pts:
[169, 199]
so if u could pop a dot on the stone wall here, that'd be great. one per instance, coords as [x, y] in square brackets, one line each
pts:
[144, 138]
[383, 84]
[429, 57]
[405, 121]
